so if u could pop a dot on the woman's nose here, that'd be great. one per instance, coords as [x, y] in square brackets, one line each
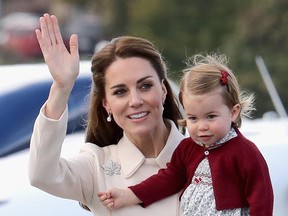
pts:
[135, 99]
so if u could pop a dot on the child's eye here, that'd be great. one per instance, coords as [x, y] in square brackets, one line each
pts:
[192, 118]
[211, 116]
[119, 92]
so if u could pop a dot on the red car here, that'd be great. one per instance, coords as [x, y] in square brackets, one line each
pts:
[17, 34]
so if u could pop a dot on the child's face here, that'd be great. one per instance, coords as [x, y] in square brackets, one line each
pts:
[208, 117]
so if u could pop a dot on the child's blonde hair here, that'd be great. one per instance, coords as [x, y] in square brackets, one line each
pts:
[206, 73]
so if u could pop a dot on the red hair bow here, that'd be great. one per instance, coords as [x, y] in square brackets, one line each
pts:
[224, 77]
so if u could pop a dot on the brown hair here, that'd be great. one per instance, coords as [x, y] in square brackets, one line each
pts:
[203, 74]
[99, 131]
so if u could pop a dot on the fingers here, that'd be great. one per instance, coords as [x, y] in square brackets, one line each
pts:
[109, 203]
[50, 28]
[106, 199]
[50, 31]
[56, 30]
[103, 196]
[74, 45]
[38, 35]
[49, 36]
[41, 33]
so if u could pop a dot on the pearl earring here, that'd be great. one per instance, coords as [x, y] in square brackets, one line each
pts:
[109, 118]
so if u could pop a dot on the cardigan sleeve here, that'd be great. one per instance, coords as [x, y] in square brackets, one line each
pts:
[241, 177]
[166, 182]
[258, 186]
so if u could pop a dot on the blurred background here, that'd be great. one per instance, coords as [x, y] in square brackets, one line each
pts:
[179, 28]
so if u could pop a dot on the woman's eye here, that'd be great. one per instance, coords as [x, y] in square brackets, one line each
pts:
[146, 86]
[119, 92]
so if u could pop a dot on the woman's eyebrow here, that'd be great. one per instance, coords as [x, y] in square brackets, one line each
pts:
[123, 85]
[142, 79]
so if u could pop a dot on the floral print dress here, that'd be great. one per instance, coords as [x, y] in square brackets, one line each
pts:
[198, 198]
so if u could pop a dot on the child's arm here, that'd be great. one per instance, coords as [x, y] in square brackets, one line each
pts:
[117, 198]
[258, 188]
[172, 180]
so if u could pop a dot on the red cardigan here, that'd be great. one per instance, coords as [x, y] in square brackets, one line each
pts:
[240, 176]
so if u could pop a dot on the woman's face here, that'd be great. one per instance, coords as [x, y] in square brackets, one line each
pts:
[208, 118]
[134, 96]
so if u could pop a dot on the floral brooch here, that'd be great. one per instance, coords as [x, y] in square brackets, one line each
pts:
[111, 168]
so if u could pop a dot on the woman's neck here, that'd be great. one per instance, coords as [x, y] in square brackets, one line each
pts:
[152, 144]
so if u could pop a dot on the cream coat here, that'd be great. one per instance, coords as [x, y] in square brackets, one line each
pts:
[95, 169]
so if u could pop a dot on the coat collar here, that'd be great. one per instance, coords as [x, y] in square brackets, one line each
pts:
[131, 158]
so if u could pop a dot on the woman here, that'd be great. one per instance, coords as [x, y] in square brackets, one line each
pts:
[131, 125]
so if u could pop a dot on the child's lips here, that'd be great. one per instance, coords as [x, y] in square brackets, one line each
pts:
[205, 137]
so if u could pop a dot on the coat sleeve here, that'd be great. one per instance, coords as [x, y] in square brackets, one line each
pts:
[66, 178]
[165, 183]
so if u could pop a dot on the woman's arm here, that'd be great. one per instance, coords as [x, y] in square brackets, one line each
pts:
[67, 178]
[60, 177]
[63, 65]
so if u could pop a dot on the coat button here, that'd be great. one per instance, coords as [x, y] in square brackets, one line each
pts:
[206, 152]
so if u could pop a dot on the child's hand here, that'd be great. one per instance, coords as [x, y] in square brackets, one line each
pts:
[117, 198]
[106, 199]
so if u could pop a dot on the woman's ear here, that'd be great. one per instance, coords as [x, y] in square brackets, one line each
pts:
[164, 90]
[235, 112]
[106, 105]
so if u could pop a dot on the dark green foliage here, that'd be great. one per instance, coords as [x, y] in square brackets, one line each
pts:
[181, 28]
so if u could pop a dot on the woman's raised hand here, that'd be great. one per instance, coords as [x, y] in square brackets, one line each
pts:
[63, 64]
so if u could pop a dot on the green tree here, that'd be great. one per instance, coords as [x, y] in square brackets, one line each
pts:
[181, 28]
[261, 30]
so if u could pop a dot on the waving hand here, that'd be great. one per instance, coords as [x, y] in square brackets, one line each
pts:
[63, 64]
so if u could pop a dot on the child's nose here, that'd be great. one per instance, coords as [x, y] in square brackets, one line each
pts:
[202, 125]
